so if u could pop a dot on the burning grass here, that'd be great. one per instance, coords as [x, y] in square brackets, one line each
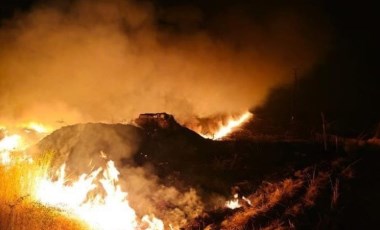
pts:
[33, 216]
[263, 200]
[18, 206]
[30, 197]
[219, 127]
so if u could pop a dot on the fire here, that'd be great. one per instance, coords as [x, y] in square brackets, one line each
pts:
[234, 203]
[7, 145]
[22, 137]
[10, 143]
[95, 198]
[109, 211]
[231, 125]
[36, 127]
[224, 129]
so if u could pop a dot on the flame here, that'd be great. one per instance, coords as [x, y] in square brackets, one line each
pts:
[231, 125]
[10, 143]
[95, 198]
[224, 129]
[110, 211]
[20, 139]
[7, 145]
[36, 127]
[234, 203]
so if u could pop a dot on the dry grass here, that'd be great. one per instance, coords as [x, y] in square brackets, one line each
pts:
[20, 178]
[18, 209]
[27, 215]
[315, 185]
[291, 197]
[264, 199]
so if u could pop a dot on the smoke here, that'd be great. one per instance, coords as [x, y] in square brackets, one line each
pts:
[111, 60]
[148, 196]
[87, 147]
[82, 61]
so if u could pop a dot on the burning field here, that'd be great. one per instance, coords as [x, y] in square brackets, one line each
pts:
[37, 181]
[162, 114]
[156, 174]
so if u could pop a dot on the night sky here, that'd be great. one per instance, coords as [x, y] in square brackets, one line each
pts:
[345, 85]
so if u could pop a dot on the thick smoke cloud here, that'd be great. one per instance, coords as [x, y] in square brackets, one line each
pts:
[111, 60]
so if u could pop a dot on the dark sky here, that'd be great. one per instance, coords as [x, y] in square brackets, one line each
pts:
[345, 86]
[350, 20]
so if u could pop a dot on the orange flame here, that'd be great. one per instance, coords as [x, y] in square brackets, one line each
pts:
[7, 145]
[82, 198]
[234, 203]
[225, 129]
[36, 127]
[111, 211]
[19, 140]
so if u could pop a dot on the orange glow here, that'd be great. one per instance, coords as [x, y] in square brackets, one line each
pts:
[7, 145]
[95, 198]
[37, 127]
[226, 128]
[109, 211]
[234, 203]
[18, 138]
[10, 143]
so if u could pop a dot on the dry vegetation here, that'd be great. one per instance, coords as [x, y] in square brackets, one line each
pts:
[283, 204]
[18, 208]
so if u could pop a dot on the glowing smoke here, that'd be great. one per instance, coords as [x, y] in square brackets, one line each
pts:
[110, 60]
